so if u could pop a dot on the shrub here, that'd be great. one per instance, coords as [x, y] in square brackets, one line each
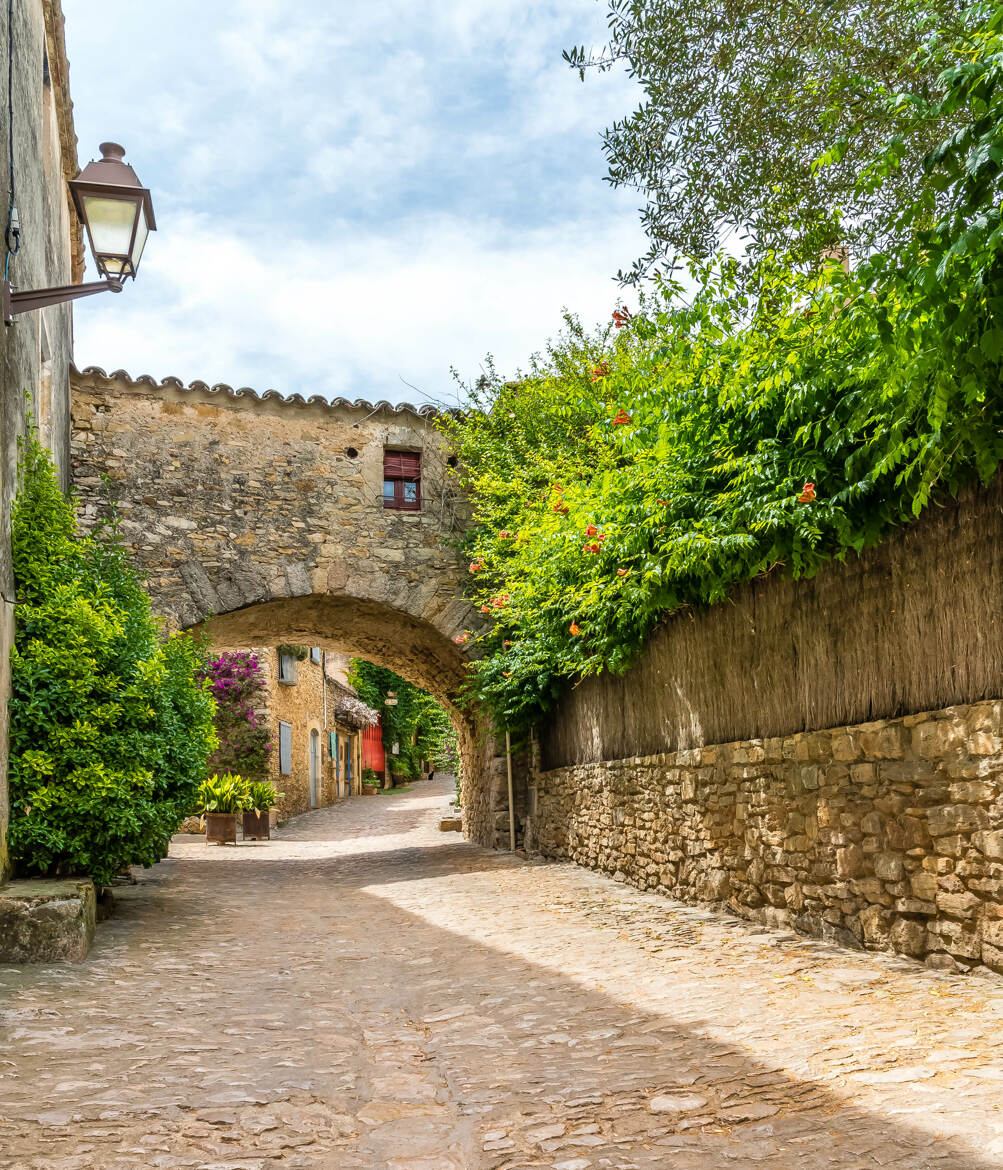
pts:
[238, 686]
[228, 793]
[261, 796]
[110, 727]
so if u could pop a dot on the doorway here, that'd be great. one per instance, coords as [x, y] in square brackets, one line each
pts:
[314, 767]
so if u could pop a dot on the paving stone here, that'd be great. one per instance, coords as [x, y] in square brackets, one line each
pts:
[365, 992]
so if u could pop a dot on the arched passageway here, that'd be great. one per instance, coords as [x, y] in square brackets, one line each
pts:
[270, 519]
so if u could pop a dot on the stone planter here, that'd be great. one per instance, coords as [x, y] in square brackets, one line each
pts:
[370, 790]
[257, 825]
[221, 828]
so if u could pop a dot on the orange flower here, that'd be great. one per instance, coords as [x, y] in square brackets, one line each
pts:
[590, 548]
[602, 537]
[622, 418]
[504, 534]
[461, 638]
[475, 566]
[600, 371]
[507, 673]
[621, 316]
[807, 494]
[591, 530]
[622, 572]
[558, 488]
[506, 643]
[485, 609]
[574, 630]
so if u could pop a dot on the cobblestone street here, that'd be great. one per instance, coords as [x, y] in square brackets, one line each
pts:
[365, 991]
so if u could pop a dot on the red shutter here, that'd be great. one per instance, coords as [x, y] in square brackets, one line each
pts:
[401, 465]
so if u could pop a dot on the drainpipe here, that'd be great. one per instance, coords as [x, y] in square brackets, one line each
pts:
[511, 798]
[323, 682]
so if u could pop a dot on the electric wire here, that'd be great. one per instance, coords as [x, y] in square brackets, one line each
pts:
[12, 234]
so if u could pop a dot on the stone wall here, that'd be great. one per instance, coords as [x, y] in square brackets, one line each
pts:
[266, 515]
[302, 705]
[35, 352]
[886, 835]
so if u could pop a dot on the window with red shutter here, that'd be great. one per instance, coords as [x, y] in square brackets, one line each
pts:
[402, 481]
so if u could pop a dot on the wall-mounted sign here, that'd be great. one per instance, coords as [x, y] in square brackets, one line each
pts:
[395, 750]
[391, 702]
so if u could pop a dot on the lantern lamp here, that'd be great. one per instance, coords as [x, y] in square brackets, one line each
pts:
[117, 212]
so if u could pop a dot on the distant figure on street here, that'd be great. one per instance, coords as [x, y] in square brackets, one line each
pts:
[431, 774]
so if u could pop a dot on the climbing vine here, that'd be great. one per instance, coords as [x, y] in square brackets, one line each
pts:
[720, 434]
[237, 684]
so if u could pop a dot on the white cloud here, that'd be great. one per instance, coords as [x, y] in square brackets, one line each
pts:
[348, 193]
[351, 315]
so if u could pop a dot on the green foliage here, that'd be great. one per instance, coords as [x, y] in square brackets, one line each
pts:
[109, 725]
[418, 724]
[369, 778]
[740, 99]
[237, 684]
[261, 795]
[228, 793]
[300, 653]
[644, 469]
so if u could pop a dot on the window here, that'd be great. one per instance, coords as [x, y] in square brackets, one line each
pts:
[285, 748]
[287, 670]
[332, 752]
[315, 654]
[402, 481]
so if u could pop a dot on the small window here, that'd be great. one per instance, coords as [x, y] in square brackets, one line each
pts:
[315, 654]
[287, 670]
[402, 481]
[285, 748]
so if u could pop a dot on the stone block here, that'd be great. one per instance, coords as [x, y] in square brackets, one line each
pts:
[888, 867]
[908, 937]
[962, 905]
[991, 844]
[849, 861]
[948, 819]
[924, 886]
[47, 921]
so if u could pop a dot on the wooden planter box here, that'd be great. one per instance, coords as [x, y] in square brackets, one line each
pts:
[221, 828]
[257, 825]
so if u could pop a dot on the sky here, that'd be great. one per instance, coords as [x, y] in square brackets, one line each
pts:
[351, 196]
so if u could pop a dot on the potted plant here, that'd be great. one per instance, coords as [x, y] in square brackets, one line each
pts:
[261, 796]
[221, 798]
[370, 783]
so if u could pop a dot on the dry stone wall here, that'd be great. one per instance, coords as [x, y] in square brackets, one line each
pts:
[886, 835]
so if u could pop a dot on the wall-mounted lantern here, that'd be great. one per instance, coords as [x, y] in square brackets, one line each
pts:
[117, 213]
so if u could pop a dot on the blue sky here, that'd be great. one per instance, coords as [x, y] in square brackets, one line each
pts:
[351, 194]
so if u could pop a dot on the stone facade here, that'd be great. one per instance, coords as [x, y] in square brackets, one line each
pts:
[35, 352]
[309, 704]
[886, 835]
[265, 515]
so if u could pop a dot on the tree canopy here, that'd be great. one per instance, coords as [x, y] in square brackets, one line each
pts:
[740, 100]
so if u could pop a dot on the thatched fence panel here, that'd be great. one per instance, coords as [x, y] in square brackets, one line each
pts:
[912, 625]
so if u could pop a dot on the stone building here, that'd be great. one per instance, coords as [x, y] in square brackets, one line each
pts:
[35, 352]
[315, 721]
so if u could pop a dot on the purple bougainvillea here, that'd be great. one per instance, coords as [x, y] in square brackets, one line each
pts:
[238, 687]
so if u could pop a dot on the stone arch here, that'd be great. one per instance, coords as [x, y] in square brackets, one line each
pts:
[251, 512]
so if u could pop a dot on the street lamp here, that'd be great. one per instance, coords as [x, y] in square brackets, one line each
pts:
[117, 212]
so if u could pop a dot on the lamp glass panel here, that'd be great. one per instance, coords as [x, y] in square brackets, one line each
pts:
[110, 222]
[111, 266]
[142, 231]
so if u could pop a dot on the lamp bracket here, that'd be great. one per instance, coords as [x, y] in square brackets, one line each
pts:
[14, 303]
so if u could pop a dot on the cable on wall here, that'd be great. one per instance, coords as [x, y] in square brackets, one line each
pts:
[12, 235]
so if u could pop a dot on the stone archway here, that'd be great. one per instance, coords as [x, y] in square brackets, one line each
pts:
[265, 516]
